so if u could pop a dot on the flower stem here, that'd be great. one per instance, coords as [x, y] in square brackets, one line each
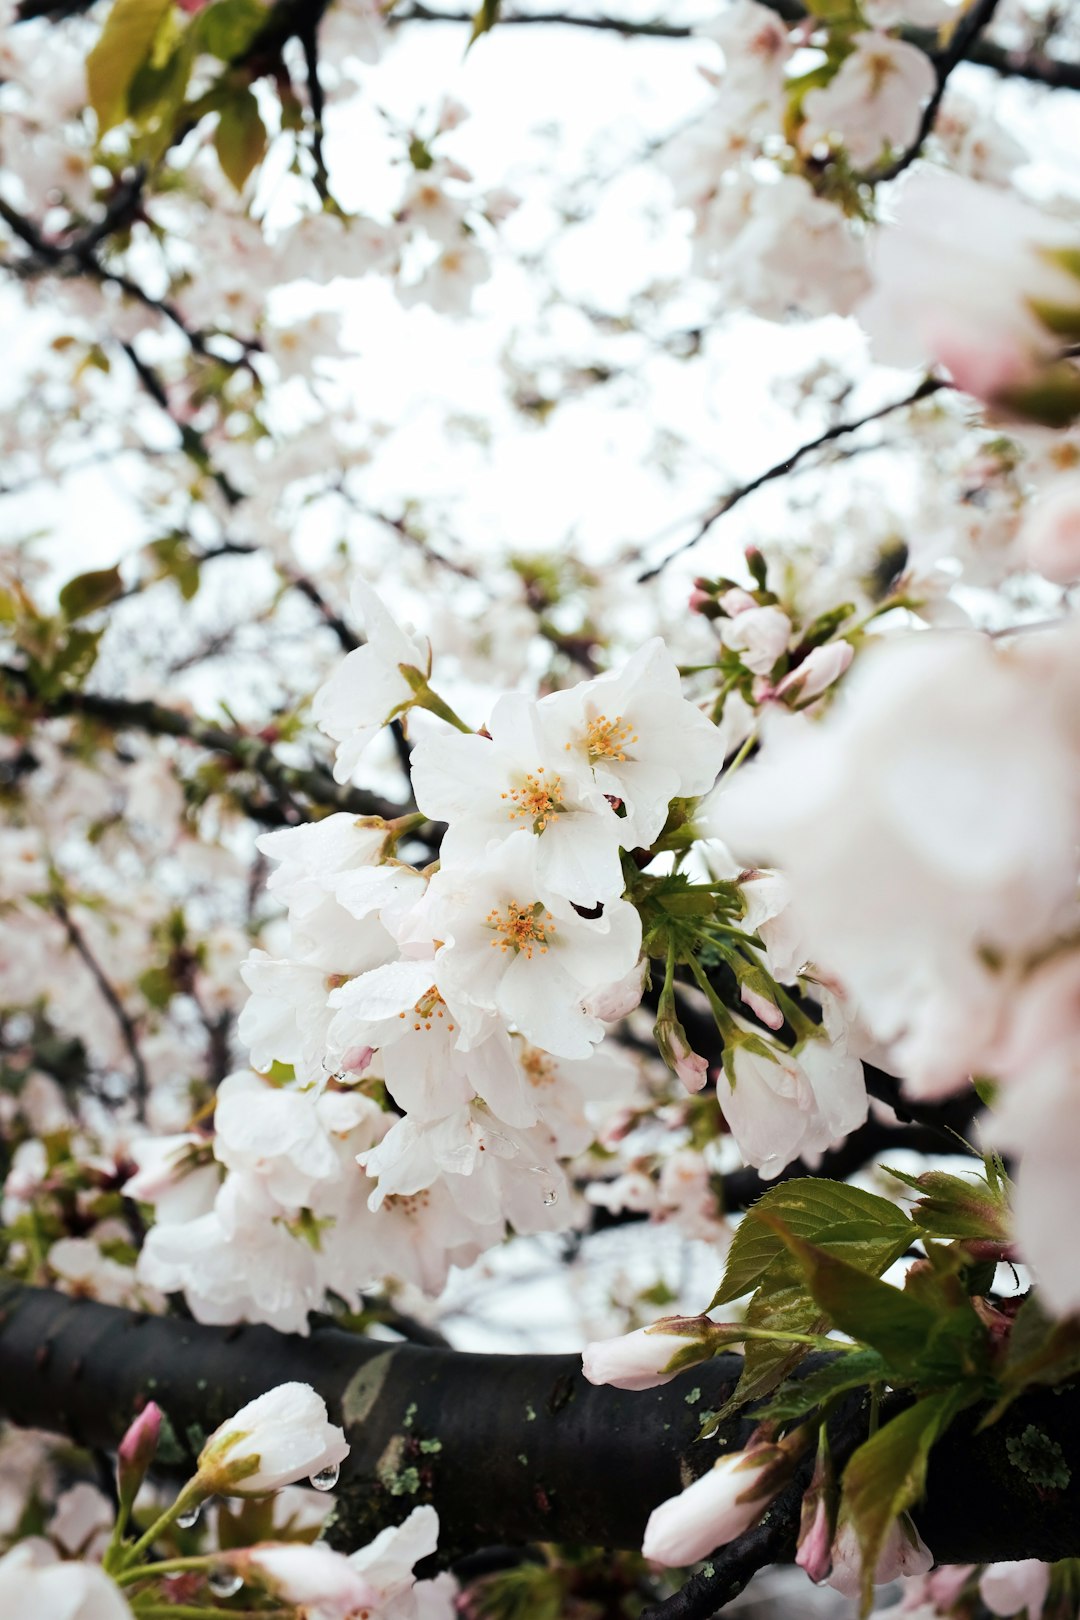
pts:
[145, 1572]
[192, 1495]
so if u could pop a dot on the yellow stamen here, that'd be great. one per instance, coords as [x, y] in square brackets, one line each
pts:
[608, 739]
[523, 928]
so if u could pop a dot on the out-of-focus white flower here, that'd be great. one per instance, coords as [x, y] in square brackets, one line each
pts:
[873, 103]
[870, 813]
[448, 284]
[776, 247]
[757, 47]
[1050, 532]
[277, 1438]
[959, 279]
[33, 1583]
[1009, 1589]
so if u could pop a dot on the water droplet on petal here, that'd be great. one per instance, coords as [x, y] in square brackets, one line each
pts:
[326, 1478]
[551, 1196]
[225, 1583]
[190, 1517]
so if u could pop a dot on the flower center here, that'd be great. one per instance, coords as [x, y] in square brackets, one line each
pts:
[539, 1067]
[535, 799]
[430, 1005]
[608, 739]
[523, 928]
[409, 1204]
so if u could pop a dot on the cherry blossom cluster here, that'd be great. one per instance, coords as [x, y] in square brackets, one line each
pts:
[94, 1559]
[470, 999]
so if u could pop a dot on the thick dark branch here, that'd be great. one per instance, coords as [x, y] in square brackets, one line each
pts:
[780, 469]
[508, 1448]
[249, 753]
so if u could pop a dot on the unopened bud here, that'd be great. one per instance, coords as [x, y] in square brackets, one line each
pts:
[136, 1452]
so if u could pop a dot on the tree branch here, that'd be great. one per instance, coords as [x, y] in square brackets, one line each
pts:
[507, 1448]
[966, 32]
[250, 753]
[779, 469]
[111, 996]
[1035, 66]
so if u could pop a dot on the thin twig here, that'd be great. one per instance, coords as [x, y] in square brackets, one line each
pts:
[967, 30]
[109, 993]
[928, 386]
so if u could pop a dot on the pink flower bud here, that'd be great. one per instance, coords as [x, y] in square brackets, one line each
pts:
[617, 1000]
[818, 670]
[136, 1451]
[766, 1010]
[815, 1544]
[715, 1509]
[691, 1069]
[699, 600]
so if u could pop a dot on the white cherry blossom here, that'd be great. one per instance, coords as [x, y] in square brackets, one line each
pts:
[513, 950]
[525, 777]
[638, 738]
[367, 688]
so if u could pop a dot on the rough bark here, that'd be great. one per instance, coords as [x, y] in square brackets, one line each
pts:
[508, 1448]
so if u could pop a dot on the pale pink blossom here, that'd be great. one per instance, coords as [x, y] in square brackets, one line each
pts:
[759, 635]
[904, 1553]
[873, 104]
[1050, 532]
[715, 1509]
[1016, 1588]
[637, 1360]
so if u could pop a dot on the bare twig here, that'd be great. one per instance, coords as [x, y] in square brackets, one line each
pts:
[779, 469]
[125, 1022]
[967, 30]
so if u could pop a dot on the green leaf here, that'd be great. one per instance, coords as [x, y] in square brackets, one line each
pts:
[887, 1475]
[240, 137]
[867, 1230]
[228, 28]
[851, 1370]
[123, 46]
[861, 1306]
[86, 593]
